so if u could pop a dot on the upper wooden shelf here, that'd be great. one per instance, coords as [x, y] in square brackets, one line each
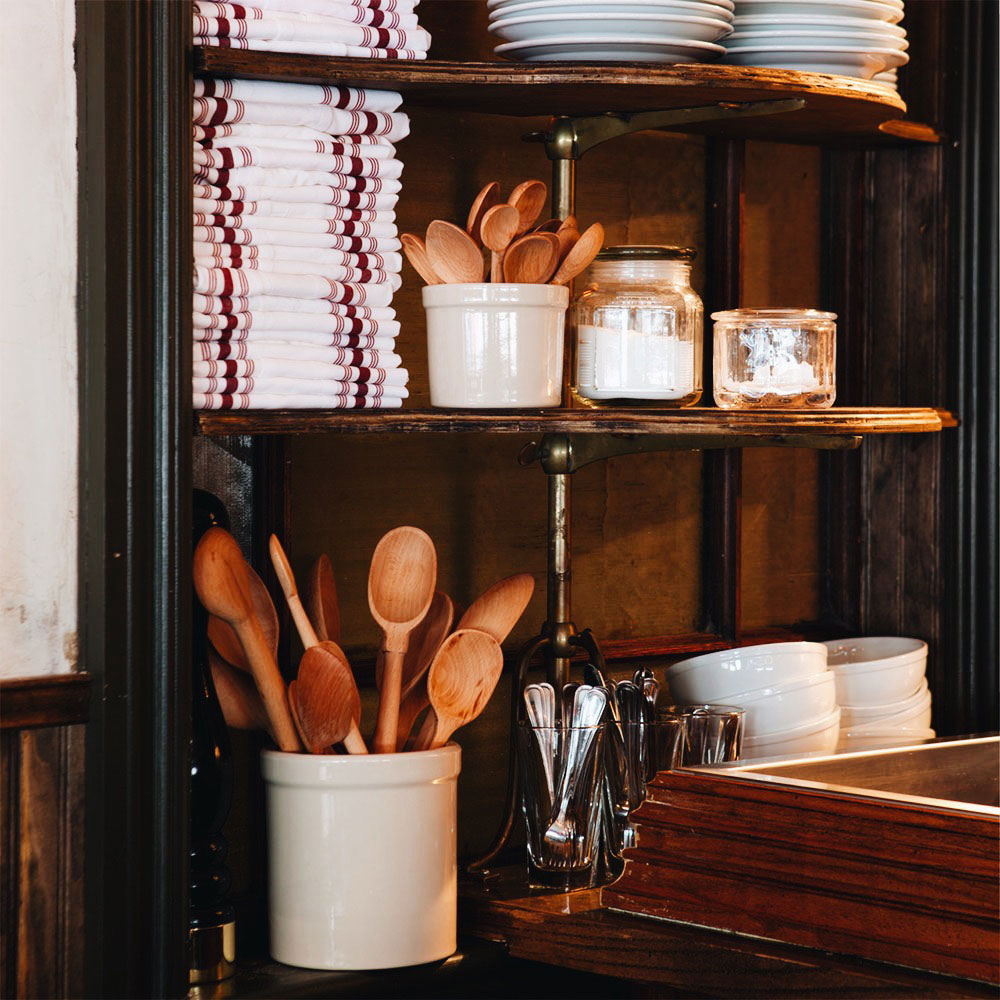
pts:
[703, 426]
[838, 110]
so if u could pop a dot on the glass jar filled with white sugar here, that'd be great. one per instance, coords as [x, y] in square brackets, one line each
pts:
[638, 329]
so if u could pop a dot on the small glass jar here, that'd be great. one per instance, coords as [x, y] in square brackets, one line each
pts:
[767, 358]
[639, 329]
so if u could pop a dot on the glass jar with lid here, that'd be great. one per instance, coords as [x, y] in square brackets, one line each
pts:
[638, 328]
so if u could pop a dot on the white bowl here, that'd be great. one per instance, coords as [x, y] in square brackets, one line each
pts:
[876, 670]
[817, 736]
[859, 714]
[917, 715]
[495, 345]
[783, 706]
[535, 26]
[716, 677]
[876, 739]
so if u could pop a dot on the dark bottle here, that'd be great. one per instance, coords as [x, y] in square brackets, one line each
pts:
[212, 920]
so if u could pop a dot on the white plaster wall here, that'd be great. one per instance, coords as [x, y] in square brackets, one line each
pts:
[38, 355]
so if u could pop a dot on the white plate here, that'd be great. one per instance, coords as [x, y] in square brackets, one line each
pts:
[872, 9]
[667, 8]
[614, 49]
[889, 58]
[821, 22]
[792, 39]
[727, 5]
[810, 59]
[645, 26]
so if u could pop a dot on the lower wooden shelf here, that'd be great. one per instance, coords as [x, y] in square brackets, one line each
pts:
[574, 931]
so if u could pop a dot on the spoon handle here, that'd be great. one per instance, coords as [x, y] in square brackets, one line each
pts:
[427, 738]
[410, 707]
[354, 741]
[287, 580]
[496, 267]
[269, 683]
[388, 703]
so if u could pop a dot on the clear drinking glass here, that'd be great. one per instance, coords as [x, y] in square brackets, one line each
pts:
[713, 733]
[562, 777]
[774, 358]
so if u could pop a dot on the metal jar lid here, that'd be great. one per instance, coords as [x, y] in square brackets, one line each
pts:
[646, 253]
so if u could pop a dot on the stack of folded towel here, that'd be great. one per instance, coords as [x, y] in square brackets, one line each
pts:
[360, 29]
[296, 252]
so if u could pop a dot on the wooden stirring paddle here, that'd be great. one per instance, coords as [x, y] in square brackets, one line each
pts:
[453, 254]
[580, 256]
[460, 682]
[531, 259]
[327, 701]
[498, 228]
[485, 200]
[416, 254]
[400, 590]
[220, 578]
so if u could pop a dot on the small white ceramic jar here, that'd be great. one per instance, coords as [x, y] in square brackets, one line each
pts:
[495, 346]
[362, 871]
[774, 358]
[639, 328]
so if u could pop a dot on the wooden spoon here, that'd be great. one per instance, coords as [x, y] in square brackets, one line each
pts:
[220, 578]
[579, 257]
[238, 697]
[321, 600]
[549, 226]
[224, 639]
[453, 253]
[528, 198]
[567, 236]
[416, 254]
[498, 228]
[531, 259]
[459, 684]
[327, 700]
[287, 580]
[425, 641]
[497, 610]
[485, 200]
[400, 590]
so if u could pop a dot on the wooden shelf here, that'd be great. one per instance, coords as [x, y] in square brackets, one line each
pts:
[573, 930]
[701, 426]
[839, 109]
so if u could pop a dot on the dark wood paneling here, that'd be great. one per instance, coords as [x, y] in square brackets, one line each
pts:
[54, 700]
[42, 867]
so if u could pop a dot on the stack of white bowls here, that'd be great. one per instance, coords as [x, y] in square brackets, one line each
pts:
[881, 690]
[785, 688]
[861, 38]
[665, 31]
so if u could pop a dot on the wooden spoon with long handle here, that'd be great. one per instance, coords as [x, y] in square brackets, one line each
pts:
[327, 700]
[224, 639]
[497, 610]
[531, 259]
[485, 200]
[579, 257]
[567, 234]
[400, 590]
[498, 228]
[528, 198]
[287, 580]
[321, 602]
[425, 641]
[220, 578]
[416, 254]
[453, 254]
[460, 682]
[238, 696]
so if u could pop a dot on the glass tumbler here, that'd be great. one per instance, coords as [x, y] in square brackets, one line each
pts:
[774, 358]
[713, 734]
[562, 776]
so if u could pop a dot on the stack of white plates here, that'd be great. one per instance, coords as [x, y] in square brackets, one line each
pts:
[861, 38]
[882, 691]
[785, 689]
[663, 31]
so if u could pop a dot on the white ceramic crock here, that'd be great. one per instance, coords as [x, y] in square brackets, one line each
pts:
[362, 869]
[495, 346]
